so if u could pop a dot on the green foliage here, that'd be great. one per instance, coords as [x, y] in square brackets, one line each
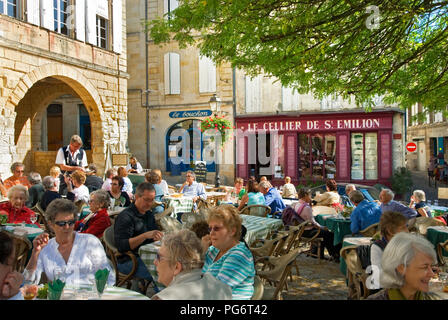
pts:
[325, 46]
[401, 181]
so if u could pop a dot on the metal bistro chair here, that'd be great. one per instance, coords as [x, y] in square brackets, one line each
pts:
[42, 220]
[258, 288]
[22, 247]
[440, 247]
[259, 210]
[356, 275]
[370, 230]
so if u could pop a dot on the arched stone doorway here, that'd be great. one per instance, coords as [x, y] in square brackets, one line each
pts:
[27, 105]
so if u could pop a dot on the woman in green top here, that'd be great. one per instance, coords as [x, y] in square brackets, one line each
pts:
[407, 267]
[238, 189]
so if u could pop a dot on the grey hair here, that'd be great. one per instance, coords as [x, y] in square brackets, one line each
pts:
[420, 195]
[76, 138]
[92, 167]
[102, 196]
[401, 250]
[18, 188]
[184, 247]
[192, 174]
[265, 184]
[60, 206]
[15, 165]
[390, 193]
[48, 182]
[34, 178]
[356, 196]
[350, 186]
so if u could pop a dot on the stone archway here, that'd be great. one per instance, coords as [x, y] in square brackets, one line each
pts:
[30, 98]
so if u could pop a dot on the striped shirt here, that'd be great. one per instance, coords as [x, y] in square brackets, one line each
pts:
[235, 268]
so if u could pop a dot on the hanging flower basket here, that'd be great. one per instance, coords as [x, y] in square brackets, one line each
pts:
[220, 124]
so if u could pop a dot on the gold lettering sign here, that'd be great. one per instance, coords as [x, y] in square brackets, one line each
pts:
[120, 159]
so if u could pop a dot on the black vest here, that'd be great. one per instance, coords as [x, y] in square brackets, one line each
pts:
[69, 161]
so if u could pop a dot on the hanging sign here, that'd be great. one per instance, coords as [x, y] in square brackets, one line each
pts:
[190, 114]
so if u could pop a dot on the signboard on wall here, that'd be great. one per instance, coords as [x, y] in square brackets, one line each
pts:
[119, 160]
[190, 114]
[200, 170]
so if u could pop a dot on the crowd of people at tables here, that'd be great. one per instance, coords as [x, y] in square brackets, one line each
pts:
[199, 263]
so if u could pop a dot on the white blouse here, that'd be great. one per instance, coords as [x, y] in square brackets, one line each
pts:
[164, 187]
[87, 256]
[82, 193]
[127, 186]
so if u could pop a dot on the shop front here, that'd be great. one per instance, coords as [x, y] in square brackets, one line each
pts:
[347, 147]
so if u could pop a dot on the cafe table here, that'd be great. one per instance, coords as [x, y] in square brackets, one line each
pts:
[179, 204]
[436, 235]
[438, 210]
[110, 293]
[339, 226]
[214, 196]
[352, 241]
[31, 231]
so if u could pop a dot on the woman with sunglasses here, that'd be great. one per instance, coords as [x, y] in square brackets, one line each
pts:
[77, 255]
[227, 254]
[98, 220]
[179, 263]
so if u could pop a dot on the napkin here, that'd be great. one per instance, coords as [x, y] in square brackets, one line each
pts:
[101, 277]
[55, 289]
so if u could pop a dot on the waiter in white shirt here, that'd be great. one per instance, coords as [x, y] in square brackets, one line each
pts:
[71, 158]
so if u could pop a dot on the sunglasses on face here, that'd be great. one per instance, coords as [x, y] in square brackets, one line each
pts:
[63, 223]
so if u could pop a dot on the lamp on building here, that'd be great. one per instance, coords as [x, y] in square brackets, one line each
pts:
[215, 106]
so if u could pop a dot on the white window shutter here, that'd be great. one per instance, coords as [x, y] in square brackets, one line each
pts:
[172, 73]
[286, 98]
[47, 14]
[117, 25]
[207, 75]
[33, 12]
[80, 17]
[438, 117]
[91, 6]
[253, 94]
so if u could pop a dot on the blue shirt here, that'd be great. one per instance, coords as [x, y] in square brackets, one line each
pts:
[274, 200]
[255, 198]
[398, 207]
[196, 189]
[364, 215]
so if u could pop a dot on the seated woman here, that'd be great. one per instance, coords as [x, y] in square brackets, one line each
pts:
[330, 197]
[153, 178]
[55, 172]
[15, 208]
[162, 183]
[98, 220]
[134, 166]
[407, 267]
[253, 195]
[227, 254]
[80, 192]
[77, 255]
[238, 190]
[391, 223]
[179, 263]
[121, 172]
[418, 202]
[303, 209]
[118, 197]
[10, 280]
[288, 189]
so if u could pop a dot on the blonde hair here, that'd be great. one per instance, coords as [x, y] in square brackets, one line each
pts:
[55, 171]
[159, 173]
[76, 139]
[420, 195]
[287, 179]
[239, 180]
[79, 176]
[122, 172]
[229, 216]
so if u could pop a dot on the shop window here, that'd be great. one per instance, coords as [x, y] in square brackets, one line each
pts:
[364, 156]
[317, 156]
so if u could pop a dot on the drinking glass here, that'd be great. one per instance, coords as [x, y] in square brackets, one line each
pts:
[436, 202]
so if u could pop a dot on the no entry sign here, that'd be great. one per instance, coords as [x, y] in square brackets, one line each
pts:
[411, 147]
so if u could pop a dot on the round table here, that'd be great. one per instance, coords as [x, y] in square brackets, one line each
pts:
[110, 293]
[340, 227]
[436, 235]
[32, 230]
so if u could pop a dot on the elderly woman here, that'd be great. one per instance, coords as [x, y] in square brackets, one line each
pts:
[80, 192]
[36, 191]
[154, 178]
[118, 197]
[15, 208]
[179, 262]
[162, 183]
[227, 254]
[407, 267]
[127, 187]
[10, 280]
[134, 166]
[77, 255]
[330, 197]
[418, 202]
[98, 220]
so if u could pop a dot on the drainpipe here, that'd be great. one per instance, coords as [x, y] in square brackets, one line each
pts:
[147, 88]
[234, 122]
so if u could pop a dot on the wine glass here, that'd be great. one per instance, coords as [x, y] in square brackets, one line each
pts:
[33, 218]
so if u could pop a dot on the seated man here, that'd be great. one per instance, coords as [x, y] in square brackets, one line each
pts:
[36, 190]
[365, 213]
[191, 188]
[136, 226]
[18, 170]
[272, 197]
[51, 186]
[389, 204]
[345, 198]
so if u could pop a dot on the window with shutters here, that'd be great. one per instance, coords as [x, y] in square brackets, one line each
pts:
[60, 16]
[10, 8]
[207, 75]
[172, 73]
[253, 94]
[102, 32]
[290, 99]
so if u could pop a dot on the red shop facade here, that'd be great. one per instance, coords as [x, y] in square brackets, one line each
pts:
[347, 147]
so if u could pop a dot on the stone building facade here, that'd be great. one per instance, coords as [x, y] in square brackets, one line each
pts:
[43, 58]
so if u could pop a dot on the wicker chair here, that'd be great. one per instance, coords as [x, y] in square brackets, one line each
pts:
[269, 247]
[440, 247]
[42, 220]
[258, 289]
[22, 247]
[277, 271]
[113, 254]
[356, 276]
[259, 210]
[422, 224]
[370, 230]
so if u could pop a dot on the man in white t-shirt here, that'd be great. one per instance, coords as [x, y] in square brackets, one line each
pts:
[71, 158]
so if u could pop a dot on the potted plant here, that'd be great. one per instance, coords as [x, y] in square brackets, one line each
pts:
[217, 123]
